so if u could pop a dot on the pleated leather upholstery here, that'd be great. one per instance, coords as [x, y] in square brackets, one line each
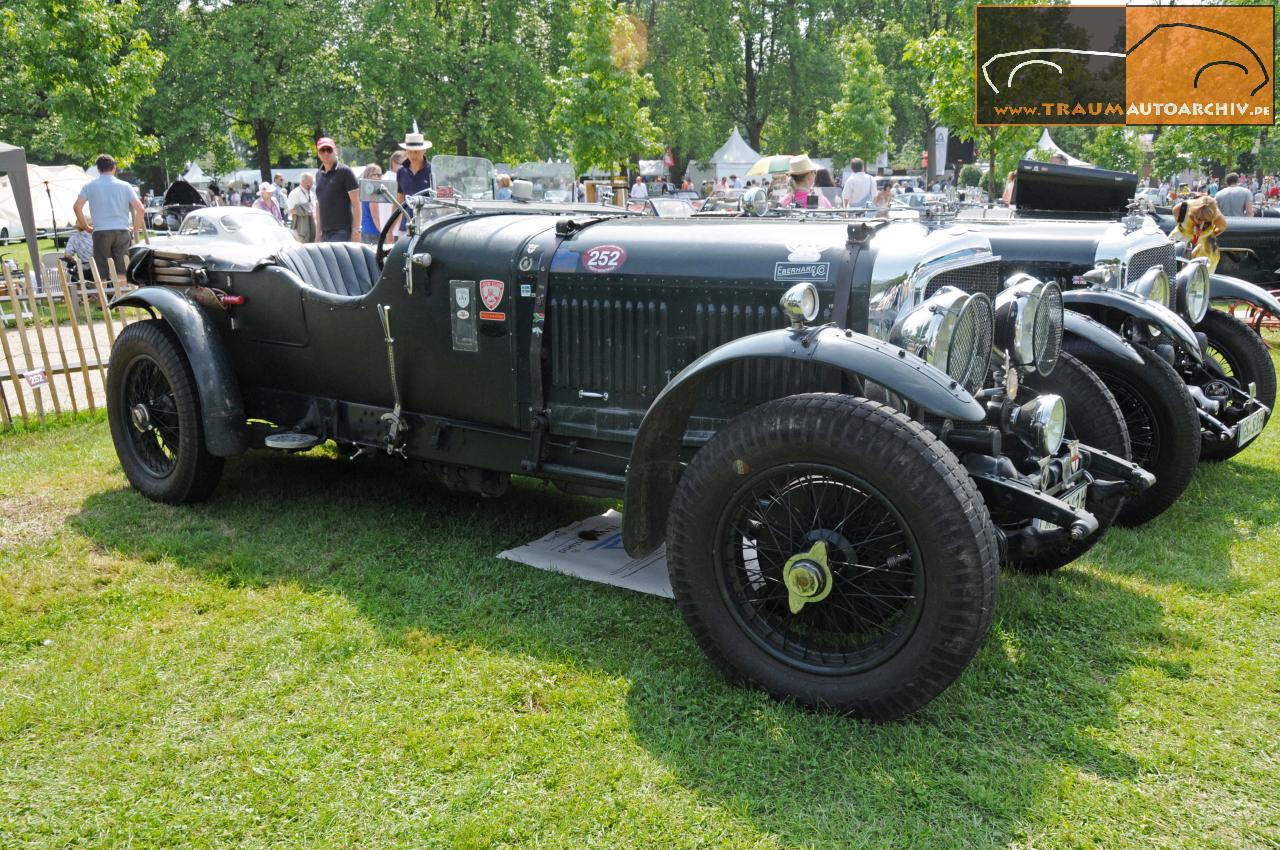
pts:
[339, 268]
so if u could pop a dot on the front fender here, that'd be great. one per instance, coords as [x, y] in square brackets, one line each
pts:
[1080, 325]
[1143, 309]
[1235, 289]
[655, 466]
[220, 403]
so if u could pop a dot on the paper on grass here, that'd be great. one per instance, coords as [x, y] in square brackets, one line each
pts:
[592, 549]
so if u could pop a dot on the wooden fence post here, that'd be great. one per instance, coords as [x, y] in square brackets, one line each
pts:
[34, 305]
[120, 288]
[102, 298]
[21, 325]
[8, 357]
[62, 351]
[75, 331]
[88, 327]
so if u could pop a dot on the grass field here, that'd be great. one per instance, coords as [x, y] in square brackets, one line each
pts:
[328, 655]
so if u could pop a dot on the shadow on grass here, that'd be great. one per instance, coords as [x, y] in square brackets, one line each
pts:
[413, 558]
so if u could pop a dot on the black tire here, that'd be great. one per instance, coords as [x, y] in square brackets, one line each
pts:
[1093, 418]
[155, 418]
[851, 458]
[1164, 428]
[1239, 356]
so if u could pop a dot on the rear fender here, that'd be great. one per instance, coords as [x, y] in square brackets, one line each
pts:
[655, 466]
[220, 402]
[1226, 288]
[1080, 325]
[1142, 309]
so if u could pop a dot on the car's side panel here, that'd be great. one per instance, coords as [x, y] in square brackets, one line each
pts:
[221, 404]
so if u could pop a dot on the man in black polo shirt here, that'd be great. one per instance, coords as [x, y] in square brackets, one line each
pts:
[337, 197]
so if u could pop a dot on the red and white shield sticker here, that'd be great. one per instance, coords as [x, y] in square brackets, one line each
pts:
[603, 259]
[491, 292]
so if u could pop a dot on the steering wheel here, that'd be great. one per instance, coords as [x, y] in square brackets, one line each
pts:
[382, 237]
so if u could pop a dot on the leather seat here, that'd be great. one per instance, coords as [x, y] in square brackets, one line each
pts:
[339, 268]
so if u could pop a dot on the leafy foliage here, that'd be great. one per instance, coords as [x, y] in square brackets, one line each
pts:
[858, 122]
[80, 72]
[970, 175]
[1116, 148]
[599, 93]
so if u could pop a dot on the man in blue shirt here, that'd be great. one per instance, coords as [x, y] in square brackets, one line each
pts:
[117, 216]
[415, 174]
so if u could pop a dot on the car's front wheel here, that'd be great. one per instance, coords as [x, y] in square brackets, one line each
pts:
[1164, 428]
[830, 550]
[1238, 357]
[154, 413]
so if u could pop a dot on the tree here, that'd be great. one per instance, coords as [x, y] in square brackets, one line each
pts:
[859, 122]
[599, 94]
[1187, 148]
[950, 96]
[1116, 148]
[81, 71]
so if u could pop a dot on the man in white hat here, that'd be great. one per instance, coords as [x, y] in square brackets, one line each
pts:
[415, 174]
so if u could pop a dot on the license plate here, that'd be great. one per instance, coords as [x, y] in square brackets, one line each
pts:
[1076, 499]
[1250, 427]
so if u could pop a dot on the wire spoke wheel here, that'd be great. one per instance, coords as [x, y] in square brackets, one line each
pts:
[1144, 436]
[155, 433]
[874, 580]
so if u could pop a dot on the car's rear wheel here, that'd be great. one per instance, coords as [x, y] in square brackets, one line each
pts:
[1093, 418]
[1237, 356]
[830, 550]
[1164, 428]
[154, 413]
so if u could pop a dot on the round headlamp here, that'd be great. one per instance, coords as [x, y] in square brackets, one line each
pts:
[1041, 423]
[1028, 315]
[951, 330]
[1153, 285]
[1192, 288]
[800, 304]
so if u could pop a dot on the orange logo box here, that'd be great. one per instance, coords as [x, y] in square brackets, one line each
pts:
[1200, 65]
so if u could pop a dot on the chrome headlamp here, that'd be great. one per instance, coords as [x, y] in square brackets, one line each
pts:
[800, 304]
[1192, 289]
[1104, 275]
[950, 330]
[1041, 423]
[1029, 322]
[1153, 285]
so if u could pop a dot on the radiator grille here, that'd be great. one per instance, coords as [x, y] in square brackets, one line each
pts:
[971, 346]
[984, 278]
[608, 344]
[1140, 261]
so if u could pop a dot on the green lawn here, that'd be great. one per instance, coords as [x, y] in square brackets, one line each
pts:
[328, 655]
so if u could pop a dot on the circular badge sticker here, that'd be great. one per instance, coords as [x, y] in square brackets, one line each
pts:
[603, 259]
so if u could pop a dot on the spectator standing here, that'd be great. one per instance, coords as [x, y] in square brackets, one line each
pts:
[1010, 182]
[280, 195]
[386, 208]
[735, 183]
[233, 198]
[117, 216]
[1233, 199]
[504, 188]
[302, 207]
[639, 190]
[370, 221]
[860, 187]
[415, 174]
[337, 197]
[267, 201]
[803, 172]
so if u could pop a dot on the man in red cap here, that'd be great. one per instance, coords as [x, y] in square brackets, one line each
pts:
[337, 197]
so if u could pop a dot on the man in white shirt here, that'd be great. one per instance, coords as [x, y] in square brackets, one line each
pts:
[639, 190]
[860, 188]
[302, 209]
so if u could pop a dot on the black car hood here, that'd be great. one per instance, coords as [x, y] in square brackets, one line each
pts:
[1056, 241]
[182, 193]
[1047, 190]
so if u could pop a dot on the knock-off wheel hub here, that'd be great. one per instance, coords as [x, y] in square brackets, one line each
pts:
[140, 415]
[807, 577]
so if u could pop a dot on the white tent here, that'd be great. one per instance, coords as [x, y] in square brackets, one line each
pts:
[735, 156]
[54, 189]
[195, 176]
[1047, 143]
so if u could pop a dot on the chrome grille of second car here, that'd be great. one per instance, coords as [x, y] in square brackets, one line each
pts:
[1140, 261]
[984, 278]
